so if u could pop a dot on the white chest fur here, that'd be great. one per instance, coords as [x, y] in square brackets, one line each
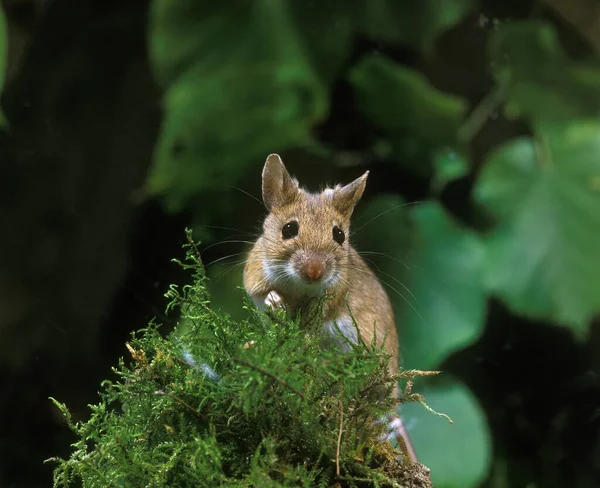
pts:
[342, 331]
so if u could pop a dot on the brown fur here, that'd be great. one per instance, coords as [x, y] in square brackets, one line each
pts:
[316, 215]
[312, 263]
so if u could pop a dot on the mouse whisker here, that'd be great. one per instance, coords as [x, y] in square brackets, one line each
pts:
[233, 229]
[387, 210]
[401, 295]
[375, 253]
[224, 258]
[379, 270]
[230, 241]
[246, 193]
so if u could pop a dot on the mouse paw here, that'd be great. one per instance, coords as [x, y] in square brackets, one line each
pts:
[274, 301]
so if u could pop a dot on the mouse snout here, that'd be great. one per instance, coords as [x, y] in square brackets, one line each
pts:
[314, 269]
[311, 267]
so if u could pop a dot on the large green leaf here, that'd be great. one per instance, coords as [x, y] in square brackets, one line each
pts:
[405, 107]
[400, 100]
[238, 86]
[458, 454]
[433, 269]
[446, 280]
[327, 30]
[541, 82]
[412, 22]
[543, 258]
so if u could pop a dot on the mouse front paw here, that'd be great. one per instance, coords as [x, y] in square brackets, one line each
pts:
[274, 301]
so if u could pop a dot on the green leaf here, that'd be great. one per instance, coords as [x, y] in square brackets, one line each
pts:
[458, 454]
[327, 30]
[542, 84]
[543, 257]
[446, 279]
[3, 55]
[238, 87]
[433, 271]
[404, 105]
[413, 22]
[449, 166]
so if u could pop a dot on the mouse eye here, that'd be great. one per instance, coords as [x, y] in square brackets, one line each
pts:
[290, 230]
[338, 235]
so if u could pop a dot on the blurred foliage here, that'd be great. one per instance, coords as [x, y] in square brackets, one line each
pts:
[243, 80]
[447, 166]
[436, 280]
[543, 85]
[430, 435]
[83, 117]
[412, 109]
[412, 22]
[190, 40]
[543, 257]
[433, 270]
[257, 403]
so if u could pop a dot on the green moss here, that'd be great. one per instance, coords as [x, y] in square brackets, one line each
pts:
[218, 403]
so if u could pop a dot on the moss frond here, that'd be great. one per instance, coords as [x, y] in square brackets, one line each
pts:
[220, 403]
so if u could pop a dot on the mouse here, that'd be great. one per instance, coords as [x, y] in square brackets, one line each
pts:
[304, 252]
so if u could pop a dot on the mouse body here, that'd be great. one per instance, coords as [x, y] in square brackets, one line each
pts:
[304, 252]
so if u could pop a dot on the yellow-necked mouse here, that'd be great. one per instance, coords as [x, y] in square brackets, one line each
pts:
[304, 252]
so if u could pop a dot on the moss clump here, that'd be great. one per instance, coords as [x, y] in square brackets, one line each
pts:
[252, 404]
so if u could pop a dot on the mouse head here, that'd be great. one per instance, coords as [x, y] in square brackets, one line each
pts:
[306, 234]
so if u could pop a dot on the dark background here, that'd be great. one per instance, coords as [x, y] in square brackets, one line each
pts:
[85, 251]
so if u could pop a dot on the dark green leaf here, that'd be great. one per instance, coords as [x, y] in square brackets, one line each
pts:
[543, 257]
[542, 83]
[238, 87]
[413, 22]
[445, 278]
[449, 166]
[403, 104]
[458, 454]
[327, 30]
[433, 271]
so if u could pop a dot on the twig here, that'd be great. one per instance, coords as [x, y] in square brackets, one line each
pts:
[339, 440]
[409, 396]
[185, 363]
[178, 400]
[431, 410]
[269, 374]
[358, 478]
[482, 112]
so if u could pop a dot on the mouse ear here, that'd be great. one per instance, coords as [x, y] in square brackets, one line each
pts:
[278, 187]
[346, 197]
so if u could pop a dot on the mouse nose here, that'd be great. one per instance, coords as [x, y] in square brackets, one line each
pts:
[314, 269]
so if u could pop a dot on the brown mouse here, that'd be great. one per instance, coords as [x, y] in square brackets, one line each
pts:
[305, 252]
